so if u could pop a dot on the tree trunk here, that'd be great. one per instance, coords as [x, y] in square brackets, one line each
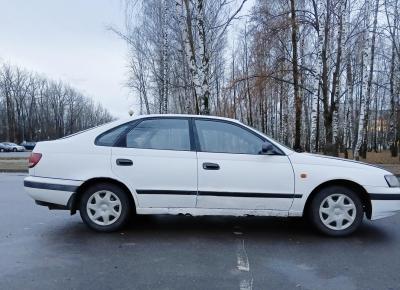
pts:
[297, 97]
[165, 64]
[204, 60]
[365, 69]
[370, 76]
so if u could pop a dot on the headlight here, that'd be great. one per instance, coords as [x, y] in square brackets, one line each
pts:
[392, 180]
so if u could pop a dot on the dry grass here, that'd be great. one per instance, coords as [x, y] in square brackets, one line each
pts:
[13, 164]
[383, 157]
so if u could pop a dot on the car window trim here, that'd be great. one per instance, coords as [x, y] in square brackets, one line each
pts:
[279, 151]
[123, 135]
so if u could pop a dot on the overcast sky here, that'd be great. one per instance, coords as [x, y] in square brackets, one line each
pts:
[68, 40]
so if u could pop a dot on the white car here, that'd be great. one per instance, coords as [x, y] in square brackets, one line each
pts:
[202, 165]
[13, 147]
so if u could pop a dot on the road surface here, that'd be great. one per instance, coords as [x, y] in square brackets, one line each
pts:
[42, 249]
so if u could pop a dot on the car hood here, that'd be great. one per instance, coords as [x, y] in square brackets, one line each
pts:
[315, 159]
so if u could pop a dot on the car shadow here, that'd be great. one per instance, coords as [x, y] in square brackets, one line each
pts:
[257, 229]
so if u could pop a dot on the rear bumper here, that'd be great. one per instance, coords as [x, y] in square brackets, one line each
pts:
[385, 201]
[52, 192]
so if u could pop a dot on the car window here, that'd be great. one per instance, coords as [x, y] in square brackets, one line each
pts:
[110, 137]
[161, 134]
[223, 137]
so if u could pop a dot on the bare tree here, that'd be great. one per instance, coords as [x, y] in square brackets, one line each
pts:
[33, 107]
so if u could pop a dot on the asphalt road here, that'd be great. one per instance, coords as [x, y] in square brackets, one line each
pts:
[42, 249]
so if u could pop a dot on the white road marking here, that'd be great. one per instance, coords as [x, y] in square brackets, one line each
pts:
[242, 259]
[246, 284]
[129, 244]
[243, 265]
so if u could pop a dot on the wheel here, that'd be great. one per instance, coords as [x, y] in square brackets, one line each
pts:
[336, 211]
[1, 150]
[14, 149]
[105, 207]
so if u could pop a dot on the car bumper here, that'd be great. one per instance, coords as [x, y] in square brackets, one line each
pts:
[51, 190]
[385, 201]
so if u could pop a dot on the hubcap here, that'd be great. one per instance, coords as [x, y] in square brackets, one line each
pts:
[103, 207]
[337, 211]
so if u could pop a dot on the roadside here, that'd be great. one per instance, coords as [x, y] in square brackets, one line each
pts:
[14, 161]
[13, 164]
[395, 168]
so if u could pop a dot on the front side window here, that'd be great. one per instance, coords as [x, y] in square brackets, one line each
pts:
[161, 134]
[222, 137]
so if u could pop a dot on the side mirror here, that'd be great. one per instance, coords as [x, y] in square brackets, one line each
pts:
[267, 148]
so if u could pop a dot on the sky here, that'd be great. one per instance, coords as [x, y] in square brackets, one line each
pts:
[67, 40]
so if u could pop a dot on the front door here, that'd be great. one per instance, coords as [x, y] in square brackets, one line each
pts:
[157, 161]
[232, 174]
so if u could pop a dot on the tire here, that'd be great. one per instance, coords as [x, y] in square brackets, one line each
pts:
[1, 150]
[14, 150]
[105, 207]
[336, 211]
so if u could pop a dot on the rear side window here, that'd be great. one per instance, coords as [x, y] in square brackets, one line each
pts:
[110, 137]
[161, 134]
[223, 137]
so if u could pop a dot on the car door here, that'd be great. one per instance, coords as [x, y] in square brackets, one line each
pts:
[232, 174]
[156, 159]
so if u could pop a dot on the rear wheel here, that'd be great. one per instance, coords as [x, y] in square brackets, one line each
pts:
[336, 211]
[105, 207]
[14, 149]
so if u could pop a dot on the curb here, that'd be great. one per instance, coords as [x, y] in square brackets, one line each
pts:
[13, 171]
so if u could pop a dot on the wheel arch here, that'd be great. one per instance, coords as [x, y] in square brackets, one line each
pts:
[73, 203]
[357, 188]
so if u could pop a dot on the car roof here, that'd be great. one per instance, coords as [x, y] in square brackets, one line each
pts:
[177, 116]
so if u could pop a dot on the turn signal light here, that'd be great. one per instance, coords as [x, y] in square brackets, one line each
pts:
[34, 159]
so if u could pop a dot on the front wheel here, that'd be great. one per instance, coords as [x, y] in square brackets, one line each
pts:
[105, 207]
[336, 211]
[14, 150]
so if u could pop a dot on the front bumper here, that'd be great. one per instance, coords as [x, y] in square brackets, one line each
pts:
[51, 190]
[385, 201]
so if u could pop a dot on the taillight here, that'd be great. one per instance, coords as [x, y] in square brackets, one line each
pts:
[34, 159]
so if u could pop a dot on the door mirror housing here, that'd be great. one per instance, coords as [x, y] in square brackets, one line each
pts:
[267, 149]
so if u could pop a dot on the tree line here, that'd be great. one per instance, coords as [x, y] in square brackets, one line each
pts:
[317, 75]
[34, 108]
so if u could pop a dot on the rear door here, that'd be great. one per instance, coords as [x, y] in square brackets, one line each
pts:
[156, 159]
[232, 174]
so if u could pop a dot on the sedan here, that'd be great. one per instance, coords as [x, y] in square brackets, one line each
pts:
[202, 165]
[3, 147]
[28, 145]
[14, 147]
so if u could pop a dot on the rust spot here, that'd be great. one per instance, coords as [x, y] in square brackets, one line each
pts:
[303, 175]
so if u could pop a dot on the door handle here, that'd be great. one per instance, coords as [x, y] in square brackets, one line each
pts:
[210, 166]
[124, 162]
